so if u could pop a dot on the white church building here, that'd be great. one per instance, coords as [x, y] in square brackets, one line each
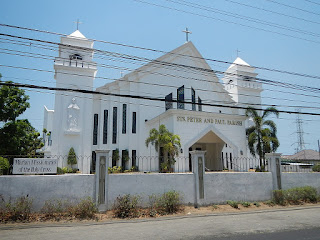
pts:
[193, 107]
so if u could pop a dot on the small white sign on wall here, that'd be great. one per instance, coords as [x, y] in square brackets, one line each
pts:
[35, 166]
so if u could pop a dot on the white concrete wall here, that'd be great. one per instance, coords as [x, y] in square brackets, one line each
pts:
[290, 180]
[222, 186]
[218, 186]
[71, 187]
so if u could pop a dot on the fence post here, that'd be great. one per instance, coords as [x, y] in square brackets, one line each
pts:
[198, 167]
[274, 165]
[101, 179]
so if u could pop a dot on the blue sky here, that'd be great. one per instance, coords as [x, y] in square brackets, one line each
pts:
[215, 32]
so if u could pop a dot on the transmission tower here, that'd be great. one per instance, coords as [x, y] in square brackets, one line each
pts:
[300, 133]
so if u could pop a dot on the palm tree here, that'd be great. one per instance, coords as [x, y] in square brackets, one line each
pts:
[262, 135]
[169, 142]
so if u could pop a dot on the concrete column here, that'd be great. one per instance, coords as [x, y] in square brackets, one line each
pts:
[101, 182]
[274, 166]
[198, 169]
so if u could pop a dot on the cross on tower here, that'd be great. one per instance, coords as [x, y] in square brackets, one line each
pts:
[78, 22]
[238, 52]
[187, 32]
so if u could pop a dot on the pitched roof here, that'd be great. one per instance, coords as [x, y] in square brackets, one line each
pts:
[77, 34]
[307, 154]
[239, 62]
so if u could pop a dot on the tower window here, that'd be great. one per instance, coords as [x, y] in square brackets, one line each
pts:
[114, 123]
[199, 104]
[75, 57]
[95, 129]
[124, 118]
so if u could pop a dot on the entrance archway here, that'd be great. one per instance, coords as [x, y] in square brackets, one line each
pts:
[212, 141]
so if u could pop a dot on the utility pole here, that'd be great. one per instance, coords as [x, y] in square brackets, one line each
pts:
[300, 133]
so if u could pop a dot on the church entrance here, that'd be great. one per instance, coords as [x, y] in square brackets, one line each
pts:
[213, 145]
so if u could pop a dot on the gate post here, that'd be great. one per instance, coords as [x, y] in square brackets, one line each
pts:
[274, 166]
[101, 179]
[198, 167]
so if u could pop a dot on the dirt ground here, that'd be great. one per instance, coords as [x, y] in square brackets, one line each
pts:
[187, 211]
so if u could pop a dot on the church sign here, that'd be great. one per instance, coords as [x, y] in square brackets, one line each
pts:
[34, 166]
[209, 120]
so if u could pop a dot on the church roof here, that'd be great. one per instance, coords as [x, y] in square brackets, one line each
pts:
[240, 62]
[77, 34]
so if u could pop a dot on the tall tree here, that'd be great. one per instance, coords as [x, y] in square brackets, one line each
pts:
[170, 143]
[17, 137]
[13, 102]
[262, 136]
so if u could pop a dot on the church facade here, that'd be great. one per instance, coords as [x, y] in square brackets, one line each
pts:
[198, 107]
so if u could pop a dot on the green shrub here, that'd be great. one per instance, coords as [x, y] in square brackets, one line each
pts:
[4, 166]
[114, 169]
[72, 157]
[270, 203]
[86, 209]
[279, 197]
[18, 211]
[52, 207]
[126, 206]
[257, 204]
[296, 195]
[233, 204]
[316, 168]
[214, 207]
[168, 203]
[245, 204]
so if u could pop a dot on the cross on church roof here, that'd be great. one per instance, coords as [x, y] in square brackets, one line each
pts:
[187, 32]
[78, 22]
[238, 52]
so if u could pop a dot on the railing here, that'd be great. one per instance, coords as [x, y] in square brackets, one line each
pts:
[75, 63]
[299, 165]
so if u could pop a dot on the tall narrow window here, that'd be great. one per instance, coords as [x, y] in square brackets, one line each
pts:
[134, 122]
[199, 104]
[93, 162]
[114, 128]
[193, 99]
[168, 100]
[49, 139]
[231, 160]
[95, 129]
[124, 118]
[180, 98]
[134, 158]
[105, 126]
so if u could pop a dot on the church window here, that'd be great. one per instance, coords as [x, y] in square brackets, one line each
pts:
[134, 158]
[105, 127]
[93, 162]
[95, 129]
[180, 97]
[49, 139]
[114, 123]
[231, 160]
[168, 100]
[199, 104]
[75, 57]
[124, 118]
[193, 99]
[134, 122]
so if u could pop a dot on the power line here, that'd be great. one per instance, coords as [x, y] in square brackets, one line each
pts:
[140, 97]
[274, 12]
[164, 52]
[289, 6]
[271, 82]
[312, 2]
[239, 16]
[228, 21]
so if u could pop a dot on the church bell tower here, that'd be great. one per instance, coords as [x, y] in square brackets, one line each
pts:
[72, 121]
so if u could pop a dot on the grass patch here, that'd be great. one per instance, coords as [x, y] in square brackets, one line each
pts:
[245, 204]
[257, 204]
[16, 211]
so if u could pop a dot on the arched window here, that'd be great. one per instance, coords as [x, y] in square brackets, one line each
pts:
[75, 56]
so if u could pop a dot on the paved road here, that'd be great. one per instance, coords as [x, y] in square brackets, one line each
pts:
[301, 223]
